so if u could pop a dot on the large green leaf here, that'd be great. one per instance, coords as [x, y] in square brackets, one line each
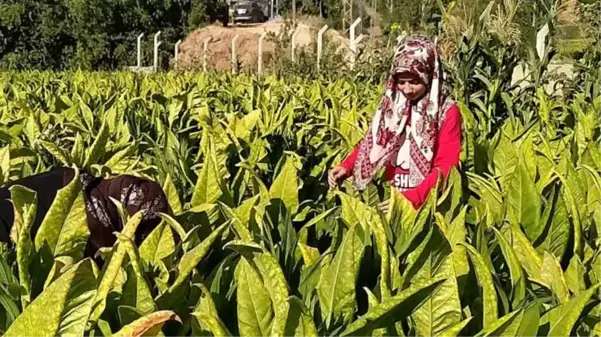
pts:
[574, 276]
[456, 329]
[336, 288]
[158, 245]
[272, 277]
[207, 316]
[391, 310]
[113, 267]
[568, 313]
[386, 276]
[98, 148]
[558, 234]
[530, 260]
[275, 282]
[63, 308]
[172, 196]
[575, 203]
[25, 205]
[530, 321]
[551, 275]
[486, 283]
[56, 152]
[255, 312]
[505, 158]
[455, 233]
[524, 204]
[506, 326]
[208, 186]
[442, 309]
[4, 164]
[136, 291]
[354, 212]
[300, 323]
[193, 257]
[77, 152]
[285, 186]
[518, 279]
[64, 228]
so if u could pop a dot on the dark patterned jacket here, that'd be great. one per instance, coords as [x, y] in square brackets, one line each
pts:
[102, 216]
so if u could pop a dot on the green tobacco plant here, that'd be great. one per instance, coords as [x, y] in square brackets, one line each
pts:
[258, 244]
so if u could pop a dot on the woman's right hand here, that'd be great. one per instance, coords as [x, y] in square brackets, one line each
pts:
[335, 175]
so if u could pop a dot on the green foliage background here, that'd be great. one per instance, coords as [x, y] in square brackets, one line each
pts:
[101, 34]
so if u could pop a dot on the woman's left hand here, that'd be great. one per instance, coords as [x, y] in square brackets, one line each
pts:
[384, 206]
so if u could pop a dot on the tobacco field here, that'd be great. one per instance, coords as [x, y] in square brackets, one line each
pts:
[257, 244]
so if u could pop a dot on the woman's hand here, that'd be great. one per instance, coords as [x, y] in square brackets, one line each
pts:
[384, 206]
[336, 174]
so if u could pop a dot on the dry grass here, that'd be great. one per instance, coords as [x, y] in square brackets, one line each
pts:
[220, 45]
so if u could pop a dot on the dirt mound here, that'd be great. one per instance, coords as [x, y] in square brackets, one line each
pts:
[220, 46]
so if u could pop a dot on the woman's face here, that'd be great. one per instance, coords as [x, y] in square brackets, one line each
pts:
[410, 85]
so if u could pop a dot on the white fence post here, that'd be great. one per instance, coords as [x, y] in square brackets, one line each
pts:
[354, 45]
[156, 50]
[540, 40]
[205, 53]
[260, 56]
[234, 56]
[139, 51]
[177, 50]
[293, 43]
[320, 45]
[354, 41]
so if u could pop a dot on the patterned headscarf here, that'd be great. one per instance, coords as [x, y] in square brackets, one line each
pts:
[386, 134]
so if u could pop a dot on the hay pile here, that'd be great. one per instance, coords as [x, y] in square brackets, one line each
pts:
[220, 46]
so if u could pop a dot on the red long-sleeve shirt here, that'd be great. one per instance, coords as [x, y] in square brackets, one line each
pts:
[446, 155]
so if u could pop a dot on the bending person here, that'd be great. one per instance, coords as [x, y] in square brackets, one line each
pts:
[102, 215]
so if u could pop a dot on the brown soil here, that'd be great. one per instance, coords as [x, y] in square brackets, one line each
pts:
[220, 45]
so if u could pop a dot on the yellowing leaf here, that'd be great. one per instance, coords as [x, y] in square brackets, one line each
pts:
[149, 325]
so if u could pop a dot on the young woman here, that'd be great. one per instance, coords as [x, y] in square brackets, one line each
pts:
[416, 130]
[102, 216]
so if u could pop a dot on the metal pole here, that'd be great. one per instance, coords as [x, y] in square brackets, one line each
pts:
[205, 53]
[260, 56]
[354, 45]
[353, 27]
[156, 50]
[293, 11]
[293, 43]
[320, 45]
[139, 64]
[353, 42]
[177, 50]
[234, 56]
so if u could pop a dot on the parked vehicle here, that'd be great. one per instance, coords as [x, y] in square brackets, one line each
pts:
[248, 12]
